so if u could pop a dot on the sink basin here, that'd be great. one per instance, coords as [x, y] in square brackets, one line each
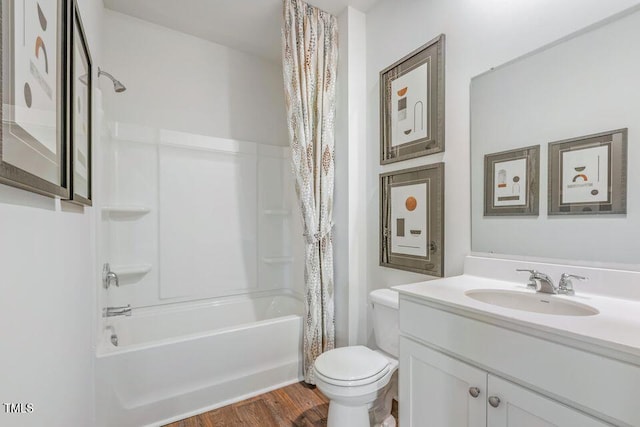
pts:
[536, 303]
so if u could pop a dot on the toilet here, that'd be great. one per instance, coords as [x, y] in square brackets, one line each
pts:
[360, 383]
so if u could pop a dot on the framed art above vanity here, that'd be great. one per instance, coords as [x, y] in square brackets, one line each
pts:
[511, 182]
[588, 175]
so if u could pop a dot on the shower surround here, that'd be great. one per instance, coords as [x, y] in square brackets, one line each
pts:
[192, 217]
[196, 218]
[199, 230]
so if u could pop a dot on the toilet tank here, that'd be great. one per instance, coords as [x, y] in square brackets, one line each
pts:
[384, 303]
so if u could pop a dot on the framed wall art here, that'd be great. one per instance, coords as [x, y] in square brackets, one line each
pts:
[511, 182]
[412, 219]
[412, 104]
[81, 113]
[33, 146]
[588, 174]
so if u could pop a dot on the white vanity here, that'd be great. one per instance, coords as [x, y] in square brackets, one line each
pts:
[482, 349]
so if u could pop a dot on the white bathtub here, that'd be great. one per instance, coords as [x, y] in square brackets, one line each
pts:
[174, 362]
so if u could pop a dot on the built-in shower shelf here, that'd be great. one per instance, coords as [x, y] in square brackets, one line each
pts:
[126, 210]
[131, 269]
[276, 212]
[278, 260]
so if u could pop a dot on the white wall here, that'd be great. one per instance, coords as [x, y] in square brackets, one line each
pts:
[180, 82]
[47, 308]
[351, 148]
[480, 34]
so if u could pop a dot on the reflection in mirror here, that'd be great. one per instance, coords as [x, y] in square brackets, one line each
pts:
[585, 84]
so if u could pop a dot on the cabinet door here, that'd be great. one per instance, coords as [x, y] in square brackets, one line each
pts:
[437, 390]
[520, 407]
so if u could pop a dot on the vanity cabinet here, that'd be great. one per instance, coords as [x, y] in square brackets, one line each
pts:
[436, 390]
[540, 378]
[440, 391]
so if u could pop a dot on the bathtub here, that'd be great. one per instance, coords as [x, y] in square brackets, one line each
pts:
[175, 361]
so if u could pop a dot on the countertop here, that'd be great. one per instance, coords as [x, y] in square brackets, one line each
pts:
[615, 329]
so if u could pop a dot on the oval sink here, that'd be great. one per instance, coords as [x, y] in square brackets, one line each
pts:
[536, 303]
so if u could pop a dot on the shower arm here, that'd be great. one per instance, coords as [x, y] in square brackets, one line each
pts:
[101, 72]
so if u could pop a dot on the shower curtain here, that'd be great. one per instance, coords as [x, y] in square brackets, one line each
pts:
[310, 55]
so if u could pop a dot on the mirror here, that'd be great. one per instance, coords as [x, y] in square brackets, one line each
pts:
[584, 85]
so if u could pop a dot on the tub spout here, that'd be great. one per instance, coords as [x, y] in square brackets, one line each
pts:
[113, 337]
[116, 311]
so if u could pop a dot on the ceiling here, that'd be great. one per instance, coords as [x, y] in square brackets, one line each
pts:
[251, 26]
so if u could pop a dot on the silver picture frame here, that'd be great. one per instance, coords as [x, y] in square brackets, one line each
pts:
[34, 92]
[588, 174]
[412, 219]
[512, 182]
[412, 104]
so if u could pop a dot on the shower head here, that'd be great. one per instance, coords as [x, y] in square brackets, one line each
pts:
[117, 84]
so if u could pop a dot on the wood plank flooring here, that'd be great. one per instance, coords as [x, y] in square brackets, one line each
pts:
[296, 405]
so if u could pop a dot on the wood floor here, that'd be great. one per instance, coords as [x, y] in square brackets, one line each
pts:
[295, 405]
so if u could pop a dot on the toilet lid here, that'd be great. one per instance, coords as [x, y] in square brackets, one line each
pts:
[351, 363]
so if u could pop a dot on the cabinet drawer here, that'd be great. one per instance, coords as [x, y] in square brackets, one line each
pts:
[593, 383]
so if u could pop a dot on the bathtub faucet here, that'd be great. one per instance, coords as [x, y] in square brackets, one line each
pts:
[116, 311]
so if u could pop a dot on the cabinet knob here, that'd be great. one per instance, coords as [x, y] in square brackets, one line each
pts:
[494, 401]
[474, 391]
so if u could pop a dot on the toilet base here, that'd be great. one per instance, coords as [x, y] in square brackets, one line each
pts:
[380, 409]
[343, 415]
[390, 421]
[354, 416]
[377, 413]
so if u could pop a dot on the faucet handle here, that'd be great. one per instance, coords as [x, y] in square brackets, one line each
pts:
[567, 276]
[108, 276]
[532, 284]
[566, 285]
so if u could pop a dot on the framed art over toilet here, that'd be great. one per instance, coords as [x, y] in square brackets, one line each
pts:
[412, 219]
[412, 104]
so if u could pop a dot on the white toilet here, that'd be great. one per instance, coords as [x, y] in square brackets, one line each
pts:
[359, 382]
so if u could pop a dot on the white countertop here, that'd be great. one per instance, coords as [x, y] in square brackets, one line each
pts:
[616, 328]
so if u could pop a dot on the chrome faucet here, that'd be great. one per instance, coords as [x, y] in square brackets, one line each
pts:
[540, 282]
[116, 311]
[108, 276]
[544, 284]
[565, 286]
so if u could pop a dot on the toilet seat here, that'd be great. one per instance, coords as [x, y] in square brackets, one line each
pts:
[351, 366]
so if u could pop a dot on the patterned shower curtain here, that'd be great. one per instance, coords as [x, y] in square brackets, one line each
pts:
[310, 55]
